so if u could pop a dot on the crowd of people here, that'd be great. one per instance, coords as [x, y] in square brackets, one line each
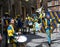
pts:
[30, 23]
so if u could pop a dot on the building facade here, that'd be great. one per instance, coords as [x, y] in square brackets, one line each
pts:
[24, 7]
[54, 5]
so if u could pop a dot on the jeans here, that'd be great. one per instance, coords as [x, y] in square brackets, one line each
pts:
[48, 35]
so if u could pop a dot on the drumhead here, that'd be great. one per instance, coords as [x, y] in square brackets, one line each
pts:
[21, 38]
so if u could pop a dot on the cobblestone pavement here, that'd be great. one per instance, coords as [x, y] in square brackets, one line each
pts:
[40, 40]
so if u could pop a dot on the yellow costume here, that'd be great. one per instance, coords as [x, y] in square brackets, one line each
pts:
[10, 30]
[40, 16]
[47, 22]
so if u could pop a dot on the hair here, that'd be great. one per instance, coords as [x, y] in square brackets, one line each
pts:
[11, 19]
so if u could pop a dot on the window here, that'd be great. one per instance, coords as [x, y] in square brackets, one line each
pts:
[40, 0]
[59, 2]
[49, 4]
[56, 2]
[59, 8]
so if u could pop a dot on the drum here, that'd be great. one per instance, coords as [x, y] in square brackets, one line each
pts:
[21, 38]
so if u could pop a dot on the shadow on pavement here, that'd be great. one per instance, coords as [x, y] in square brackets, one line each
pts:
[30, 37]
[53, 41]
[39, 45]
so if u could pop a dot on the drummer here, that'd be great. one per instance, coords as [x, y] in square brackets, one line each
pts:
[10, 31]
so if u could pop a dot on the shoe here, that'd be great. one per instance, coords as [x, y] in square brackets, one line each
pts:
[49, 45]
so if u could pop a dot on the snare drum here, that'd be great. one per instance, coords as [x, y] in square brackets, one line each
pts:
[21, 38]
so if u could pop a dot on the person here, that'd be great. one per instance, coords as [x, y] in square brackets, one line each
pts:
[48, 28]
[37, 26]
[30, 24]
[26, 24]
[41, 17]
[19, 23]
[10, 31]
[5, 22]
